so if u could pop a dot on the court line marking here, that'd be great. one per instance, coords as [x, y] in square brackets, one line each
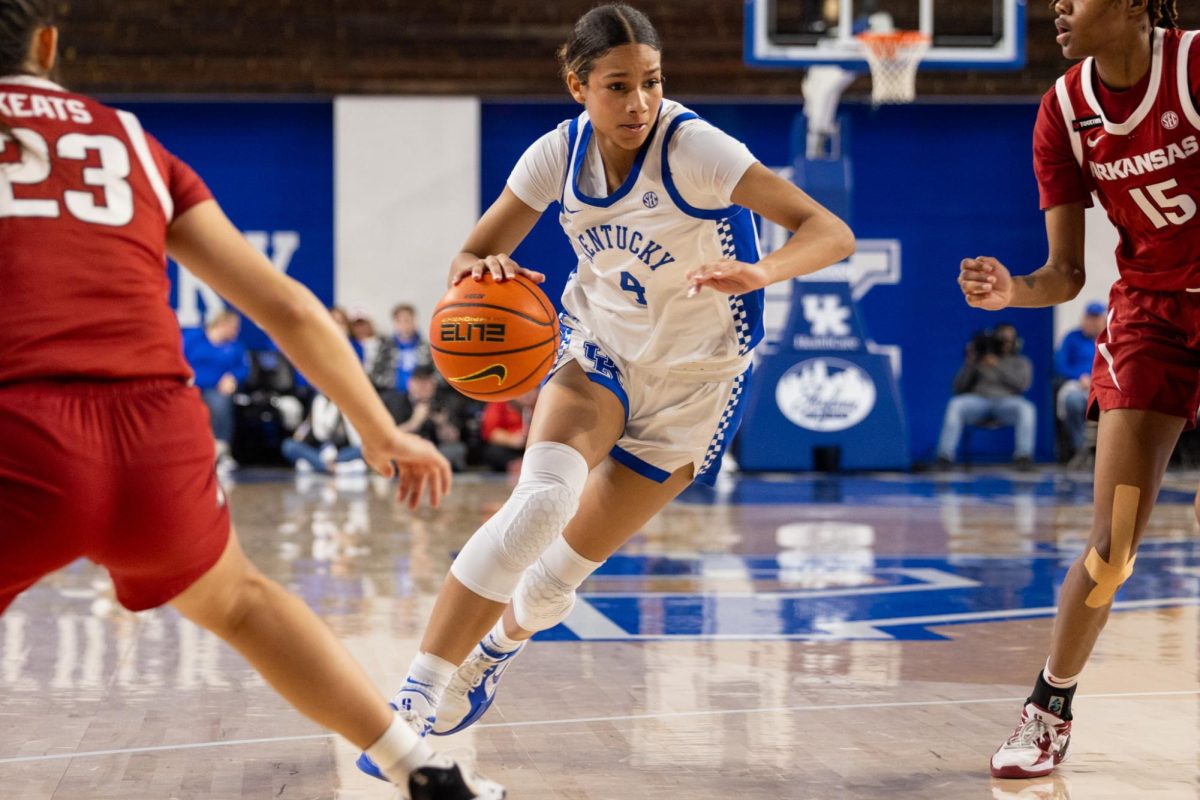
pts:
[931, 580]
[854, 630]
[874, 629]
[161, 747]
[716, 712]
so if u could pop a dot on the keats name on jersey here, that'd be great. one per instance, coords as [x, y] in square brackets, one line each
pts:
[1146, 163]
[620, 237]
[15, 105]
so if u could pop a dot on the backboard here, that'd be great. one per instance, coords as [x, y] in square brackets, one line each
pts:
[965, 34]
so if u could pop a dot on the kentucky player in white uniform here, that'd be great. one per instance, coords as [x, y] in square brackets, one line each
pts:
[660, 317]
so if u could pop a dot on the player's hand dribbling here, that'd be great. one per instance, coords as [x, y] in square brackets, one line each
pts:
[501, 268]
[728, 277]
[985, 283]
[415, 461]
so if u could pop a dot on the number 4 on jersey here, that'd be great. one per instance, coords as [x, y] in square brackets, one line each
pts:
[1162, 209]
[630, 284]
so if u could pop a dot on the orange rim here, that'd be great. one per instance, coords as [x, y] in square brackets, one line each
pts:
[887, 44]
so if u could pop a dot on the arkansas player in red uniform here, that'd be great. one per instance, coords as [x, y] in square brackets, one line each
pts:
[107, 452]
[1123, 124]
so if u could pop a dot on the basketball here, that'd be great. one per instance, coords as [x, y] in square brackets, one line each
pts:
[494, 341]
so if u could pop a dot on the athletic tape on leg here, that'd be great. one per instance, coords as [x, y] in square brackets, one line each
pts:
[1109, 575]
[547, 495]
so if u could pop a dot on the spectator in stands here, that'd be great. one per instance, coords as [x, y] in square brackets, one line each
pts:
[343, 321]
[435, 415]
[505, 428]
[1073, 366]
[400, 353]
[362, 331]
[989, 388]
[219, 362]
[325, 442]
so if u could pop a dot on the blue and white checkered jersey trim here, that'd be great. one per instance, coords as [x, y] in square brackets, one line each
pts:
[737, 303]
[727, 426]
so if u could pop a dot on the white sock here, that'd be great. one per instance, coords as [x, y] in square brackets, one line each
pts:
[399, 751]
[1056, 682]
[433, 673]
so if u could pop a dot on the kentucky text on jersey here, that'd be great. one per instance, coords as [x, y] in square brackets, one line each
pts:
[620, 237]
[1150, 162]
[16, 105]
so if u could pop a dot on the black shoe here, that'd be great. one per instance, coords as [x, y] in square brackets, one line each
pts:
[1023, 464]
[943, 464]
[448, 783]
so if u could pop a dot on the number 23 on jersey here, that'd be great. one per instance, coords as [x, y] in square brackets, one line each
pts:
[112, 205]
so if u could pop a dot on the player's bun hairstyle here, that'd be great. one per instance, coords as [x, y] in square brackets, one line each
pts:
[600, 30]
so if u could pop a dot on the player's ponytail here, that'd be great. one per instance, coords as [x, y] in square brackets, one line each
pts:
[18, 21]
[600, 30]
[1164, 13]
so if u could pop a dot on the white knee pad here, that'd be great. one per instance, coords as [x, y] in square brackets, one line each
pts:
[547, 591]
[546, 497]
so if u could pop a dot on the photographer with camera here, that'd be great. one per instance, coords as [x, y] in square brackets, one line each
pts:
[988, 388]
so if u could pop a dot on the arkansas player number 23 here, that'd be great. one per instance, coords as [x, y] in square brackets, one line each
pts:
[116, 208]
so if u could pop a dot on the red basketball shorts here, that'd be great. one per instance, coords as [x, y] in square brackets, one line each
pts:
[1148, 357]
[121, 474]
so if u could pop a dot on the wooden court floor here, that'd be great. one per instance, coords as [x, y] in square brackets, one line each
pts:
[858, 637]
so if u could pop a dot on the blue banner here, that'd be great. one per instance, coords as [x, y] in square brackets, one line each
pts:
[270, 166]
[943, 181]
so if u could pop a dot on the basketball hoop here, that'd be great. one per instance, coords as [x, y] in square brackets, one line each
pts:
[894, 58]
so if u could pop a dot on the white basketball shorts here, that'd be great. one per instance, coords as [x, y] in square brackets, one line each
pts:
[669, 422]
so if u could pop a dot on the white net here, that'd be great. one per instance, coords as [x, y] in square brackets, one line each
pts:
[894, 58]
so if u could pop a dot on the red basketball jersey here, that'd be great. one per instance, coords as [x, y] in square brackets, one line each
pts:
[85, 202]
[1139, 151]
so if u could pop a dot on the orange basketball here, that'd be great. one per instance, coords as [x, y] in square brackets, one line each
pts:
[494, 341]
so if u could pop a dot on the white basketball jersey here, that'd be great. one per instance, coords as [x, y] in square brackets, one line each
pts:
[634, 249]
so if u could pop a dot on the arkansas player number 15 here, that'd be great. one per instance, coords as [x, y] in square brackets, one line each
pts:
[1162, 208]
[110, 176]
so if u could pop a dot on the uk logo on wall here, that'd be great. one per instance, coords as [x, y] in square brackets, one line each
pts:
[822, 382]
[825, 394]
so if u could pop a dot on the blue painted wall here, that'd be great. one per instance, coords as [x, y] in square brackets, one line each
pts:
[270, 165]
[949, 181]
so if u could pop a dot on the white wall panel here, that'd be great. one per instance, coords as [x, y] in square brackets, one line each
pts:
[407, 178]
[1101, 262]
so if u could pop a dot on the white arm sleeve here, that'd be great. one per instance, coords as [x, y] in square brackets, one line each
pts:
[707, 163]
[538, 177]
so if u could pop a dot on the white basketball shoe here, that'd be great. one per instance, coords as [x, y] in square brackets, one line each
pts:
[473, 687]
[1036, 747]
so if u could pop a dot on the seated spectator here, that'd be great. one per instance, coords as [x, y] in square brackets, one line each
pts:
[433, 415]
[362, 331]
[1073, 366]
[220, 364]
[343, 321]
[325, 442]
[989, 388]
[399, 353]
[505, 429]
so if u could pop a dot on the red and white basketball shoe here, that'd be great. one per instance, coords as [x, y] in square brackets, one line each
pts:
[1036, 747]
